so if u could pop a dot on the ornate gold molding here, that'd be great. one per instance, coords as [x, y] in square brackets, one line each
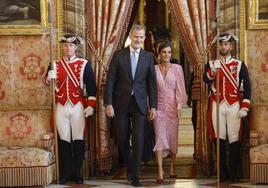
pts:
[253, 21]
[25, 27]
[59, 4]
[243, 31]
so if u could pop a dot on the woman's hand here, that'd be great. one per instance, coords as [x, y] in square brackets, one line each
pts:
[179, 113]
[152, 114]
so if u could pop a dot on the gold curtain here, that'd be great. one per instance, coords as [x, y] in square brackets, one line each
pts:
[74, 21]
[192, 20]
[107, 23]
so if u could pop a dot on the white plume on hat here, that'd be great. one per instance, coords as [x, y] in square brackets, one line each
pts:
[71, 38]
[226, 37]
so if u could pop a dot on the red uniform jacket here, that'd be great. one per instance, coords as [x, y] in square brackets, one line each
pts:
[66, 90]
[234, 79]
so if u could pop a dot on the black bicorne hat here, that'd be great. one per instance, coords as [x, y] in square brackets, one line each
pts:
[227, 37]
[71, 38]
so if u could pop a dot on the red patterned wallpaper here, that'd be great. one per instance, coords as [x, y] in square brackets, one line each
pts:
[25, 104]
[23, 127]
[24, 60]
[258, 70]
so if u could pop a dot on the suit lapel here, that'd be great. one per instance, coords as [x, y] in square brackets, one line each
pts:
[128, 62]
[140, 63]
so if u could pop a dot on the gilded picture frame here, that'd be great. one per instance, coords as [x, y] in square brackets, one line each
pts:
[23, 17]
[257, 14]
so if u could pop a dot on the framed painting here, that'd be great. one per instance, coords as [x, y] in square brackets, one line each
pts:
[23, 17]
[258, 14]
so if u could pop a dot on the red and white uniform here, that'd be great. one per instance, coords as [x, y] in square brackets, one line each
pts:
[233, 75]
[66, 89]
[69, 110]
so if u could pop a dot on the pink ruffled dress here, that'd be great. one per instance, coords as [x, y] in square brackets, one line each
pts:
[171, 97]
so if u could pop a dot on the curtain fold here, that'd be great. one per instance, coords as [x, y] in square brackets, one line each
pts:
[192, 20]
[107, 22]
[193, 26]
[131, 19]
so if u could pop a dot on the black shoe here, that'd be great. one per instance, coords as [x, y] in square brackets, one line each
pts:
[129, 177]
[63, 181]
[79, 180]
[224, 178]
[136, 182]
[235, 180]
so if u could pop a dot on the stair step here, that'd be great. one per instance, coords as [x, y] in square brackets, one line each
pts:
[186, 134]
[186, 111]
[186, 121]
[185, 151]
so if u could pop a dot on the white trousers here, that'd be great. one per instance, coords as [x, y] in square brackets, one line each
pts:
[70, 121]
[229, 123]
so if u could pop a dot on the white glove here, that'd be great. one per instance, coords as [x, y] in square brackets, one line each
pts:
[216, 65]
[88, 111]
[51, 75]
[242, 113]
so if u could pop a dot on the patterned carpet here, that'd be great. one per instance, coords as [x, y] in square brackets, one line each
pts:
[179, 183]
[189, 174]
[185, 168]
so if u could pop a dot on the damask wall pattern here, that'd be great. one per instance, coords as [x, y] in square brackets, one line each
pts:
[25, 104]
[258, 70]
[258, 65]
[22, 128]
[24, 60]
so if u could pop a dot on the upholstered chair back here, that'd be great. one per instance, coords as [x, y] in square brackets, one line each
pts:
[23, 128]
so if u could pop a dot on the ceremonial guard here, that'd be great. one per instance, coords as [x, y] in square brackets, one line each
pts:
[234, 102]
[75, 94]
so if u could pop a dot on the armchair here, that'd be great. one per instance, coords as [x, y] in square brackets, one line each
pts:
[258, 159]
[26, 149]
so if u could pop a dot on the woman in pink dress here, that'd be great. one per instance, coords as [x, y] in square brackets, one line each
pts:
[171, 97]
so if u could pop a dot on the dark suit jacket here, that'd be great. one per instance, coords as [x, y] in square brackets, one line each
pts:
[119, 82]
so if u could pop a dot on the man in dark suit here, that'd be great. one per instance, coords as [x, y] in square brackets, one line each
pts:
[130, 91]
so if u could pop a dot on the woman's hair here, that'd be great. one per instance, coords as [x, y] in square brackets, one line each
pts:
[162, 44]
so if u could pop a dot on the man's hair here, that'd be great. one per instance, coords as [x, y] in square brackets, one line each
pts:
[136, 27]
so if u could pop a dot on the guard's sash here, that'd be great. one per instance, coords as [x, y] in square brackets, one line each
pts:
[74, 80]
[229, 76]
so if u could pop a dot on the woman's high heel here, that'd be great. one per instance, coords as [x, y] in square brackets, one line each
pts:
[159, 180]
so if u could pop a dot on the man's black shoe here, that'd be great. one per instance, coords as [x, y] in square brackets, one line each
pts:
[63, 181]
[136, 182]
[79, 180]
[235, 180]
[129, 177]
[224, 178]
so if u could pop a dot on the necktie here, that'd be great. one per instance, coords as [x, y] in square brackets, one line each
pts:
[134, 63]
